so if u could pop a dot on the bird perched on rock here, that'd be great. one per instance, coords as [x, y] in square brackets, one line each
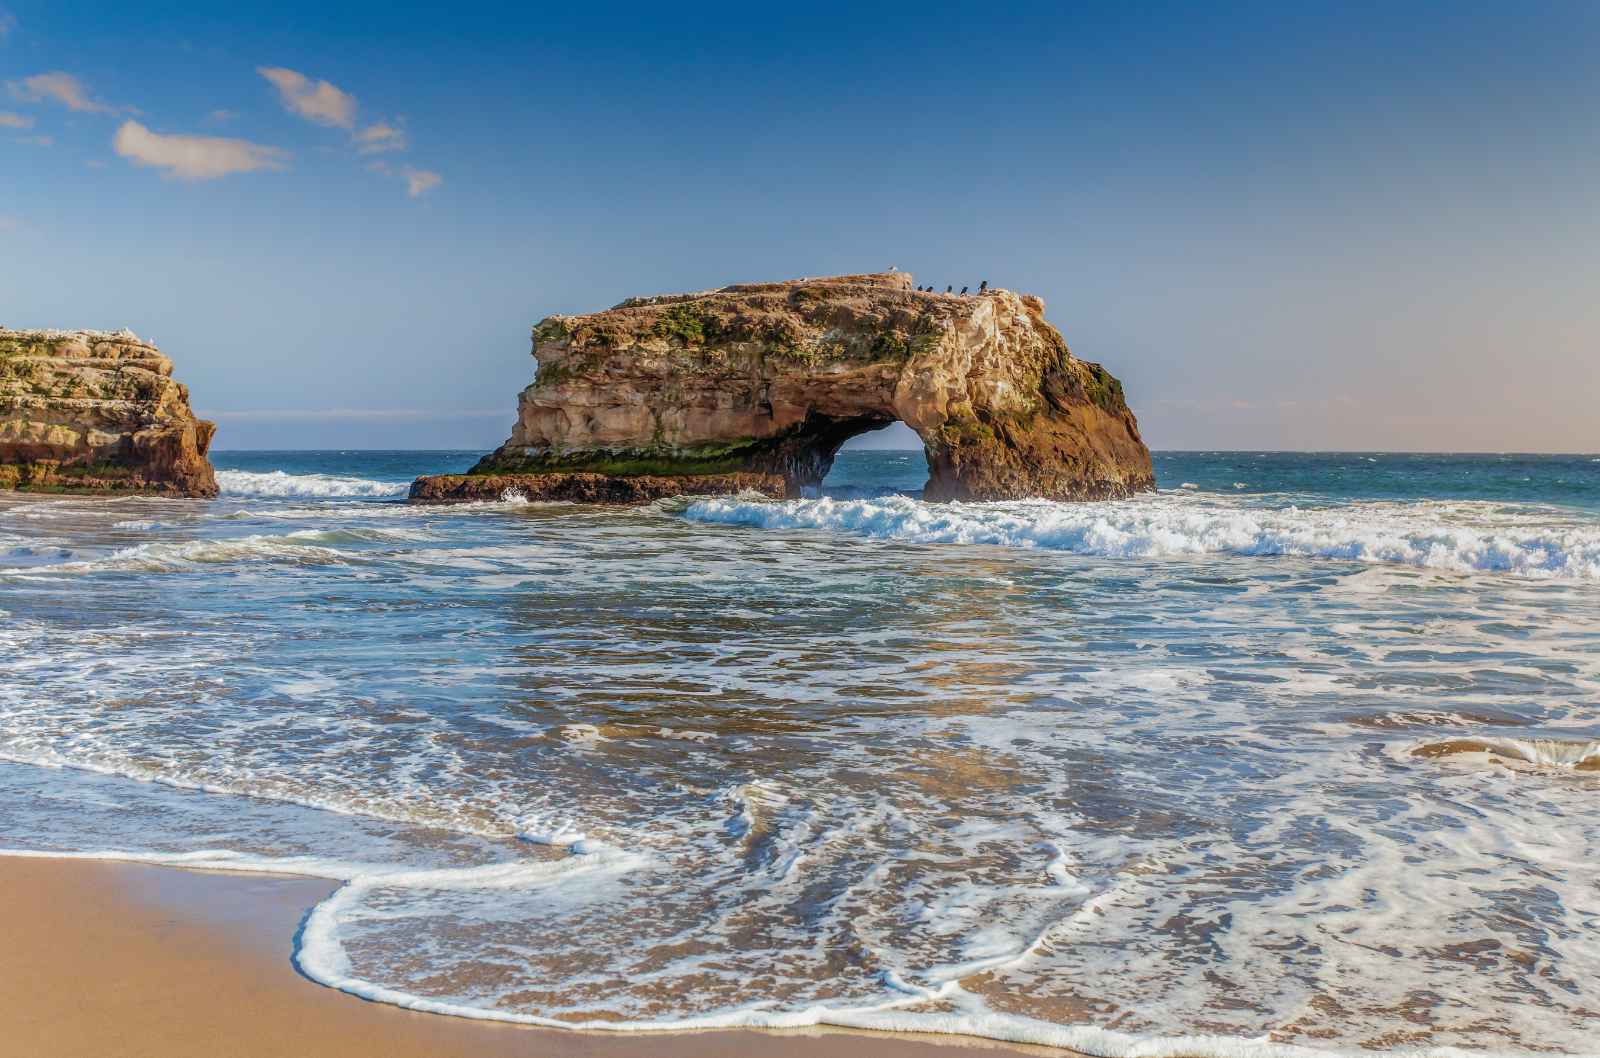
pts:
[983, 286]
[948, 289]
[963, 290]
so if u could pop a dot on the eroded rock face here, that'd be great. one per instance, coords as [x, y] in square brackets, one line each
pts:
[773, 378]
[89, 411]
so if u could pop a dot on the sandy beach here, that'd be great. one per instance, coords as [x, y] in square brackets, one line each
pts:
[127, 960]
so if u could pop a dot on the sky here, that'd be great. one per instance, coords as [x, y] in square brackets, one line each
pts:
[1283, 226]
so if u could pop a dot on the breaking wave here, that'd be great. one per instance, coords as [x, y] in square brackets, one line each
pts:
[1178, 524]
[305, 547]
[278, 483]
[1575, 755]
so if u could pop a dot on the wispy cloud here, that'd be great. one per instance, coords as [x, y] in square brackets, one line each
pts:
[59, 87]
[194, 157]
[38, 141]
[316, 101]
[8, 22]
[382, 136]
[324, 103]
[420, 181]
[222, 117]
[9, 120]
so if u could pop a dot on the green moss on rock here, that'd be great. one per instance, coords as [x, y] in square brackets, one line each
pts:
[660, 461]
[1103, 389]
[552, 329]
[688, 323]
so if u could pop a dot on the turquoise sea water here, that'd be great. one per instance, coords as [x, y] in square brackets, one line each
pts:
[1301, 752]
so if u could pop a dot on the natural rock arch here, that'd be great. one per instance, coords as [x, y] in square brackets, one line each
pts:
[771, 379]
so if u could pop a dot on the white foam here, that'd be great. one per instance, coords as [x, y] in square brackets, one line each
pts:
[322, 957]
[305, 486]
[540, 829]
[1174, 524]
[169, 556]
[214, 860]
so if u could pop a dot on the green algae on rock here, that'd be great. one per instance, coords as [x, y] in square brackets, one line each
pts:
[97, 412]
[772, 378]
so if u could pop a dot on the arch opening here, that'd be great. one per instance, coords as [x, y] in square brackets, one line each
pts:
[885, 460]
[806, 455]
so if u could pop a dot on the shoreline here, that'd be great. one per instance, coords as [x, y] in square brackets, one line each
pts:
[154, 961]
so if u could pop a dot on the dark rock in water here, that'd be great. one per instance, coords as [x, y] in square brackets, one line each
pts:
[773, 378]
[588, 488]
[95, 412]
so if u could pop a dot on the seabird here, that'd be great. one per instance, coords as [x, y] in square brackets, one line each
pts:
[983, 286]
[963, 290]
[948, 289]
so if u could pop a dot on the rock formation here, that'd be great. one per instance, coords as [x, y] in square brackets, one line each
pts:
[771, 379]
[588, 488]
[89, 411]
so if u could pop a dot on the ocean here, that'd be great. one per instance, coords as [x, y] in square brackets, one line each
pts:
[1299, 755]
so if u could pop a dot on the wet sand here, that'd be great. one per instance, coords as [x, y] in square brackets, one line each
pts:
[127, 960]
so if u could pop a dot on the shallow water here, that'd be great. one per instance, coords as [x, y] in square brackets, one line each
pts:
[1101, 775]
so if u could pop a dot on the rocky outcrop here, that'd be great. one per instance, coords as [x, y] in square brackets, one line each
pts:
[97, 412]
[773, 378]
[588, 488]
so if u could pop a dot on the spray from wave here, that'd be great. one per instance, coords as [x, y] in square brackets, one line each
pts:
[1177, 525]
[305, 486]
[1570, 754]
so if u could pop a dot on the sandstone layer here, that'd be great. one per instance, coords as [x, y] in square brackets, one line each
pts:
[773, 378]
[97, 412]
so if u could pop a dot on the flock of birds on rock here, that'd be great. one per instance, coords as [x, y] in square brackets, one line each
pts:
[983, 288]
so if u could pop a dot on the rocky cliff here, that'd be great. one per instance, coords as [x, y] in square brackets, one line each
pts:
[771, 379]
[89, 411]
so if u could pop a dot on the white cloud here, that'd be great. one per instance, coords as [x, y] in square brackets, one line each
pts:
[316, 101]
[381, 136]
[9, 120]
[221, 116]
[58, 87]
[194, 157]
[420, 181]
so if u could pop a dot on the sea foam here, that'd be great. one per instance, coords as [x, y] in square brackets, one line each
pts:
[277, 483]
[1177, 524]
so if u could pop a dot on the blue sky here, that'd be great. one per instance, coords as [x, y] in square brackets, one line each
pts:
[1282, 225]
